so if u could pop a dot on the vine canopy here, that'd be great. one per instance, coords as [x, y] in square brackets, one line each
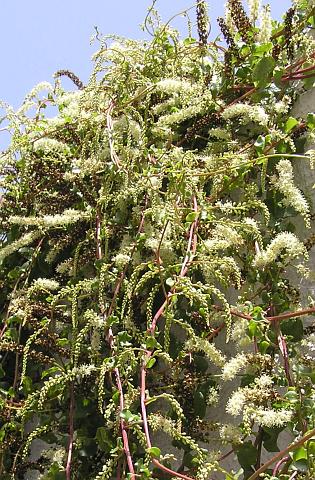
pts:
[148, 234]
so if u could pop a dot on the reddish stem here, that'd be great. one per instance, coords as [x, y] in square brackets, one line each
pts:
[171, 472]
[242, 97]
[215, 332]
[123, 273]
[294, 474]
[191, 250]
[278, 465]
[71, 433]
[281, 454]
[110, 338]
[118, 471]
[276, 318]
[122, 424]
[285, 316]
[302, 70]
[145, 421]
[298, 77]
[299, 63]
[284, 351]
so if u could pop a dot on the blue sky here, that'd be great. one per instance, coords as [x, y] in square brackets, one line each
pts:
[37, 38]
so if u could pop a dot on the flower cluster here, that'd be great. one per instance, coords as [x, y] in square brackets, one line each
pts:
[50, 145]
[231, 368]
[197, 344]
[52, 221]
[254, 10]
[265, 27]
[230, 434]
[13, 247]
[170, 86]
[292, 195]
[245, 113]
[286, 244]
[45, 284]
[272, 418]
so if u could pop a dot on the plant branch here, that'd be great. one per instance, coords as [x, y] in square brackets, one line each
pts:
[278, 465]
[110, 339]
[191, 250]
[281, 454]
[71, 432]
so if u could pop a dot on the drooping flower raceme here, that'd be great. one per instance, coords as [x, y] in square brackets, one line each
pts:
[265, 28]
[254, 8]
[292, 195]
[51, 221]
[17, 244]
[284, 243]
[246, 113]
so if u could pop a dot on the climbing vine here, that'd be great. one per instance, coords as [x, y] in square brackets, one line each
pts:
[150, 258]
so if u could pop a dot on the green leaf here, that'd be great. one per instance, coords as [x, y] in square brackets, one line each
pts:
[56, 473]
[151, 362]
[270, 438]
[263, 346]
[170, 282]
[253, 328]
[115, 397]
[310, 121]
[260, 144]
[299, 453]
[112, 320]
[129, 417]
[155, 452]
[191, 217]
[103, 439]
[263, 70]
[290, 124]
[247, 455]
[301, 465]
[200, 405]
[151, 343]
[50, 371]
[201, 363]
[189, 41]
[260, 50]
[292, 395]
[277, 76]
[293, 327]
[124, 339]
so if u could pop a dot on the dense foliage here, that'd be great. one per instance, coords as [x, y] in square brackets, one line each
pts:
[147, 236]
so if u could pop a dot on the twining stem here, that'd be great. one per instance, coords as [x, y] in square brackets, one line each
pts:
[110, 339]
[71, 432]
[191, 250]
[122, 426]
[301, 70]
[299, 77]
[276, 318]
[278, 465]
[284, 351]
[258, 445]
[285, 316]
[281, 454]
[123, 273]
